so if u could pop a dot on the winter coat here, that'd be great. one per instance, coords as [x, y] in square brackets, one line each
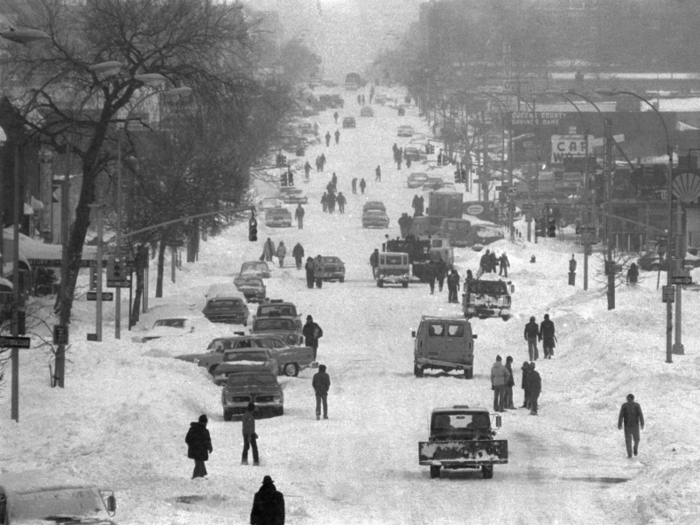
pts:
[440, 269]
[318, 266]
[453, 280]
[268, 249]
[321, 383]
[525, 383]
[324, 198]
[535, 383]
[281, 251]
[268, 506]
[547, 332]
[248, 423]
[363, 184]
[493, 261]
[331, 200]
[374, 259]
[298, 251]
[341, 200]
[430, 271]
[499, 374]
[198, 442]
[299, 213]
[505, 263]
[532, 330]
[484, 262]
[312, 333]
[310, 268]
[511, 378]
[631, 415]
[633, 274]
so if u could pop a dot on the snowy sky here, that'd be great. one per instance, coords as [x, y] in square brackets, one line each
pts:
[122, 418]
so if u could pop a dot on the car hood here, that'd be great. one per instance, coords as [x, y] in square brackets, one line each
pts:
[259, 388]
[165, 331]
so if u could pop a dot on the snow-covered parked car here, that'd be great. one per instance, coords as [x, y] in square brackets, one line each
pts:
[175, 327]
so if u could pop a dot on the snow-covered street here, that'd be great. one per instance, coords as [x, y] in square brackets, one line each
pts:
[122, 418]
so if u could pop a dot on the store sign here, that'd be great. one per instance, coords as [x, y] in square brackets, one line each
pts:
[539, 118]
[564, 146]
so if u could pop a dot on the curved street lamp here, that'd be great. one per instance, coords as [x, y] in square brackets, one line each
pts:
[669, 283]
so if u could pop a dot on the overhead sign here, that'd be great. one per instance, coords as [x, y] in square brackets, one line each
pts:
[564, 146]
[549, 118]
[106, 296]
[475, 209]
[585, 229]
[683, 280]
[15, 342]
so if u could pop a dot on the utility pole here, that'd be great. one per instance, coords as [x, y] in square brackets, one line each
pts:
[609, 263]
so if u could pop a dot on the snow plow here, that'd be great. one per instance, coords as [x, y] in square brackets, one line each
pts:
[462, 437]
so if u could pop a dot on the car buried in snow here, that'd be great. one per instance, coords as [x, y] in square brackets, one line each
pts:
[283, 327]
[255, 385]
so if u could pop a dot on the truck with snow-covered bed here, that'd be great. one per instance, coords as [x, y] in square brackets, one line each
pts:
[462, 437]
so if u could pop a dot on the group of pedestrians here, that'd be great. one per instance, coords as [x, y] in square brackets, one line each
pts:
[544, 332]
[363, 185]
[270, 251]
[490, 261]
[398, 155]
[320, 163]
[329, 199]
[503, 381]
[418, 205]
[405, 223]
[328, 137]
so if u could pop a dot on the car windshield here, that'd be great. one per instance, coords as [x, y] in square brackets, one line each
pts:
[331, 260]
[488, 287]
[276, 310]
[172, 323]
[250, 379]
[273, 324]
[258, 357]
[220, 304]
[394, 260]
[446, 423]
[378, 213]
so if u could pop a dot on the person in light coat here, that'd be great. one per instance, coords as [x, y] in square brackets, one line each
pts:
[499, 382]
[281, 253]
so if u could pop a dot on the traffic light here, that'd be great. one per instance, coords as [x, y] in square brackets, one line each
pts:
[540, 223]
[116, 270]
[283, 179]
[551, 227]
[253, 229]
[93, 279]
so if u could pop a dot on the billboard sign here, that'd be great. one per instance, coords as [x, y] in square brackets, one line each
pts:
[564, 146]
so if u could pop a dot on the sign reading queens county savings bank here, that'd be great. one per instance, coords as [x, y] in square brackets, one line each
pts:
[565, 146]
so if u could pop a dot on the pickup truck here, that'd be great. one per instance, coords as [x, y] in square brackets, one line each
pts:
[462, 437]
[487, 297]
[48, 496]
[393, 268]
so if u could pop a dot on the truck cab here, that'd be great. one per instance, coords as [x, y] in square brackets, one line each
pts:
[487, 297]
[442, 247]
[444, 343]
[393, 268]
[463, 437]
[43, 496]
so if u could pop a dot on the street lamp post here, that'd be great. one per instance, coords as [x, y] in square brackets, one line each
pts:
[669, 262]
[150, 79]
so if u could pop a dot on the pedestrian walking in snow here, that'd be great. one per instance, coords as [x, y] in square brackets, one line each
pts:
[532, 334]
[508, 402]
[281, 253]
[337, 136]
[374, 262]
[547, 337]
[633, 420]
[440, 272]
[250, 438]
[199, 446]
[331, 202]
[328, 138]
[323, 161]
[535, 389]
[268, 250]
[431, 273]
[298, 254]
[408, 162]
[335, 117]
[378, 174]
[307, 170]
[321, 383]
[632, 274]
[499, 381]
[312, 332]
[503, 264]
[318, 271]
[525, 384]
[353, 184]
[309, 267]
[299, 216]
[363, 185]
[452, 286]
[341, 201]
[268, 505]
[324, 201]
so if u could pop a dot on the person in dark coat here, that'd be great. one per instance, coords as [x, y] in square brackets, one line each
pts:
[378, 174]
[508, 401]
[363, 185]
[499, 381]
[535, 389]
[307, 169]
[335, 117]
[468, 279]
[525, 384]
[353, 184]
[298, 254]
[250, 438]
[483, 264]
[633, 419]
[532, 334]
[374, 262]
[337, 136]
[268, 505]
[440, 272]
[268, 250]
[321, 383]
[312, 333]
[341, 201]
[324, 201]
[547, 336]
[199, 445]
[493, 262]
[452, 286]
[309, 267]
[299, 216]
[504, 264]
[322, 158]
[431, 274]
[331, 202]
[334, 181]
[633, 274]
[328, 138]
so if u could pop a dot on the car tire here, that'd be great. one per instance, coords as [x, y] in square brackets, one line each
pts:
[228, 415]
[291, 370]
[380, 283]
[434, 472]
[280, 412]
[417, 370]
[405, 285]
[212, 369]
[487, 471]
[505, 317]
[342, 279]
[469, 373]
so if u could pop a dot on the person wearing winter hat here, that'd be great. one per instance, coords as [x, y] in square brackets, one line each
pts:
[535, 389]
[525, 384]
[250, 438]
[268, 505]
[312, 332]
[321, 383]
[199, 446]
[499, 381]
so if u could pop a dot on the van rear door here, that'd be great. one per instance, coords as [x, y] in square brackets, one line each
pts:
[457, 343]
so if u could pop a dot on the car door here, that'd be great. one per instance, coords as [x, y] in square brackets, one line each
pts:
[214, 356]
